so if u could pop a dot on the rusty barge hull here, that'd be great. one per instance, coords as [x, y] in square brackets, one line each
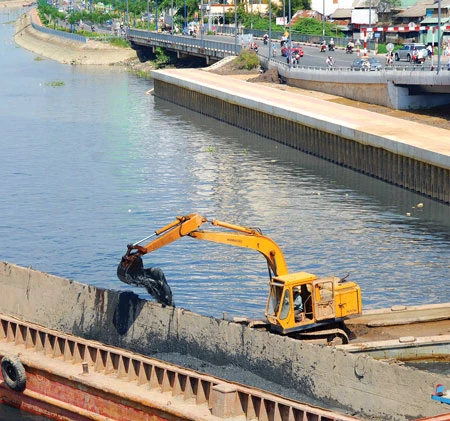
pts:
[70, 378]
[356, 384]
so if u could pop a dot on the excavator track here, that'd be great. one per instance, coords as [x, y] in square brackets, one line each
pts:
[335, 336]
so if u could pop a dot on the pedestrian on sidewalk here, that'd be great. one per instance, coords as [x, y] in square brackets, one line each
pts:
[330, 62]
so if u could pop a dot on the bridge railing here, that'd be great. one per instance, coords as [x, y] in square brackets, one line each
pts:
[397, 69]
[184, 40]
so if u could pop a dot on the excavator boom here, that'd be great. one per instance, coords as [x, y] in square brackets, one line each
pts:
[131, 270]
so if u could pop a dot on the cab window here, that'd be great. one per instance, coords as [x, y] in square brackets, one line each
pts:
[274, 300]
[285, 305]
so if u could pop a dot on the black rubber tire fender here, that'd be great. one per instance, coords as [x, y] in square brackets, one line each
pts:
[14, 373]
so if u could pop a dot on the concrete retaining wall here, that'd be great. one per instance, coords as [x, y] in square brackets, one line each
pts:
[375, 94]
[398, 89]
[373, 389]
[403, 164]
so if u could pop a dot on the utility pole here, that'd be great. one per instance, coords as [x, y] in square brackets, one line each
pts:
[185, 17]
[439, 37]
[290, 35]
[270, 29]
[323, 19]
[235, 27]
[370, 23]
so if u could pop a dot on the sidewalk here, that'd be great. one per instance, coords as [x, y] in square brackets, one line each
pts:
[425, 143]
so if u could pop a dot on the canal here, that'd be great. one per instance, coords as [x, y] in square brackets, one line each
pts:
[91, 163]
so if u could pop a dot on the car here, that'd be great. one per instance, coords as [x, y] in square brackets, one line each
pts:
[360, 64]
[406, 52]
[296, 49]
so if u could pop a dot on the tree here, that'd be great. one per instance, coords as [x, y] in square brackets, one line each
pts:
[313, 26]
[384, 6]
[300, 5]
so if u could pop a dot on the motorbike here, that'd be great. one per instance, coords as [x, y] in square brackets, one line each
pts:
[416, 59]
[265, 40]
[323, 48]
[349, 50]
[330, 47]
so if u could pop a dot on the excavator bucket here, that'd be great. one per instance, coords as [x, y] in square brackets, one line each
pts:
[132, 272]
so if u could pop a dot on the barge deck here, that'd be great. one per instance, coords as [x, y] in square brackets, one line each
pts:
[409, 334]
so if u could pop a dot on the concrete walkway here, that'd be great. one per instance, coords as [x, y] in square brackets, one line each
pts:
[414, 140]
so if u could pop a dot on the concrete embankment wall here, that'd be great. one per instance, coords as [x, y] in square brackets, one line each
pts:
[406, 154]
[401, 90]
[373, 389]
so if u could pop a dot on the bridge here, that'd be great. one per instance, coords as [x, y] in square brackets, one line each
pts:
[212, 51]
[404, 87]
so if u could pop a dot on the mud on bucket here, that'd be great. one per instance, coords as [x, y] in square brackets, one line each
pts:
[128, 271]
[132, 272]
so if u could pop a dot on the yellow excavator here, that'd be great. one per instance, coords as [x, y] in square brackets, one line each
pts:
[299, 304]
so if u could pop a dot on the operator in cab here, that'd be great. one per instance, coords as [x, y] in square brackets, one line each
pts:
[298, 305]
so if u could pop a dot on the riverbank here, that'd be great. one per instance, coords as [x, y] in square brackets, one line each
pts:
[76, 53]
[66, 51]
[12, 4]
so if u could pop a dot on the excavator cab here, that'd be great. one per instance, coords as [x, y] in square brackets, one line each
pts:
[322, 301]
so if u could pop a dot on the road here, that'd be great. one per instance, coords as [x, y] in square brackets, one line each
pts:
[313, 57]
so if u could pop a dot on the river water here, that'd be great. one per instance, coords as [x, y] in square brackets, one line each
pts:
[95, 163]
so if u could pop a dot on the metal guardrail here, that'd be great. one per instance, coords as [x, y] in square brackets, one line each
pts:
[68, 35]
[155, 375]
[185, 41]
[410, 75]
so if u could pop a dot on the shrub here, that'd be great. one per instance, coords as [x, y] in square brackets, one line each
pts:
[246, 60]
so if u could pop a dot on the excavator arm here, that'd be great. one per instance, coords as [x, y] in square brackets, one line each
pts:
[131, 270]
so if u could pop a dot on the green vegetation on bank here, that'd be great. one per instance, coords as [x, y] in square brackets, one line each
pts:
[247, 60]
[141, 14]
